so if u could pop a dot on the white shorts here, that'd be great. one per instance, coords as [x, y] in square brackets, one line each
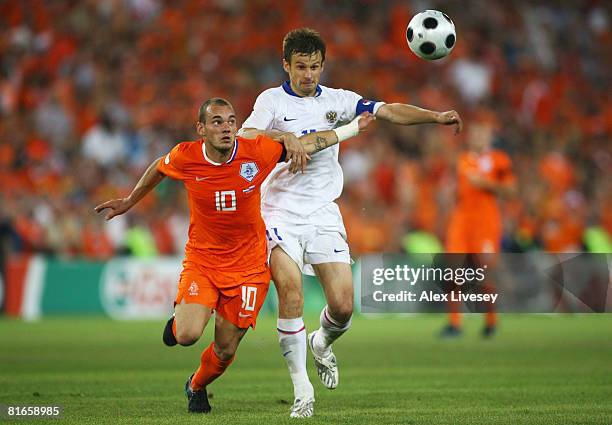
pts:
[318, 238]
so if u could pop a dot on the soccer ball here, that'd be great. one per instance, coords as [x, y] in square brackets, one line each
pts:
[431, 34]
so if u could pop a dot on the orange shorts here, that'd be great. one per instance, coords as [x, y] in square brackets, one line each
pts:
[236, 296]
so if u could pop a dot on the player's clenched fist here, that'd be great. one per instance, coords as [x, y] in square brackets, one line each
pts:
[450, 118]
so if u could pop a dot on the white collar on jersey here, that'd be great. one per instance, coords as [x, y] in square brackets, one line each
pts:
[287, 87]
[231, 158]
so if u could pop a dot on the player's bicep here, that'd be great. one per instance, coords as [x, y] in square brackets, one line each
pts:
[384, 112]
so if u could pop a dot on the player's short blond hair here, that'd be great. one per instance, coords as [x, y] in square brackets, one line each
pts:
[219, 101]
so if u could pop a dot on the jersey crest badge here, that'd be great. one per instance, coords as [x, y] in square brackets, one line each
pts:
[248, 171]
[331, 116]
[193, 289]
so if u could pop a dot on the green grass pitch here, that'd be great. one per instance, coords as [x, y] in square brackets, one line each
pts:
[393, 370]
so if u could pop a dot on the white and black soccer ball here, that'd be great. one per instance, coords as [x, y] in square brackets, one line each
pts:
[431, 34]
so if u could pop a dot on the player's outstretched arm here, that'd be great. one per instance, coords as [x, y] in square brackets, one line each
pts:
[147, 182]
[399, 113]
[299, 149]
[315, 142]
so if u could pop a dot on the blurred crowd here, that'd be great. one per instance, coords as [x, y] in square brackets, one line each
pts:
[92, 91]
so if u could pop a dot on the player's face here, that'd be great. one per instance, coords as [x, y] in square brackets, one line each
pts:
[220, 128]
[304, 72]
[479, 137]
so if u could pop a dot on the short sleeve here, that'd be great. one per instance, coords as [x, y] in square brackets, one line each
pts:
[364, 105]
[262, 116]
[354, 104]
[173, 163]
[272, 152]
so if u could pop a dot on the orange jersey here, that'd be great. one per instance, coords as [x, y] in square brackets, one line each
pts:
[475, 223]
[226, 231]
[479, 204]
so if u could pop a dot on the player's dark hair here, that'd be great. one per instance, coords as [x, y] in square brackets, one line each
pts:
[218, 101]
[304, 41]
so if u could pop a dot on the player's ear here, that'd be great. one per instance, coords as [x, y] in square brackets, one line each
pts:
[286, 66]
[200, 129]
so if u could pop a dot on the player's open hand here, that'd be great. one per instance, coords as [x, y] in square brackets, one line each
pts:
[451, 118]
[364, 120]
[116, 206]
[295, 152]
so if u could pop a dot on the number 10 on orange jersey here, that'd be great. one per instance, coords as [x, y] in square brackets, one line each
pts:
[221, 200]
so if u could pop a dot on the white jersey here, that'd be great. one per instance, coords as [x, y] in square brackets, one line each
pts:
[280, 108]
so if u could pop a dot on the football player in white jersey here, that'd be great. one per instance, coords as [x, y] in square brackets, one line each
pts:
[304, 225]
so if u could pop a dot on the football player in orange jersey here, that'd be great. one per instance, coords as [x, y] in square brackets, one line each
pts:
[225, 267]
[484, 174]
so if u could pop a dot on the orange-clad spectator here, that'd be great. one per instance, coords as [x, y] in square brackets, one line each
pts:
[557, 171]
[95, 242]
[7, 155]
[370, 232]
[162, 234]
[563, 222]
[31, 233]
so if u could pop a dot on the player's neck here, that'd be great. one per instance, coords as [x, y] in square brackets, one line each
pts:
[215, 155]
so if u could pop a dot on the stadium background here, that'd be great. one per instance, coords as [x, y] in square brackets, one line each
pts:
[92, 91]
